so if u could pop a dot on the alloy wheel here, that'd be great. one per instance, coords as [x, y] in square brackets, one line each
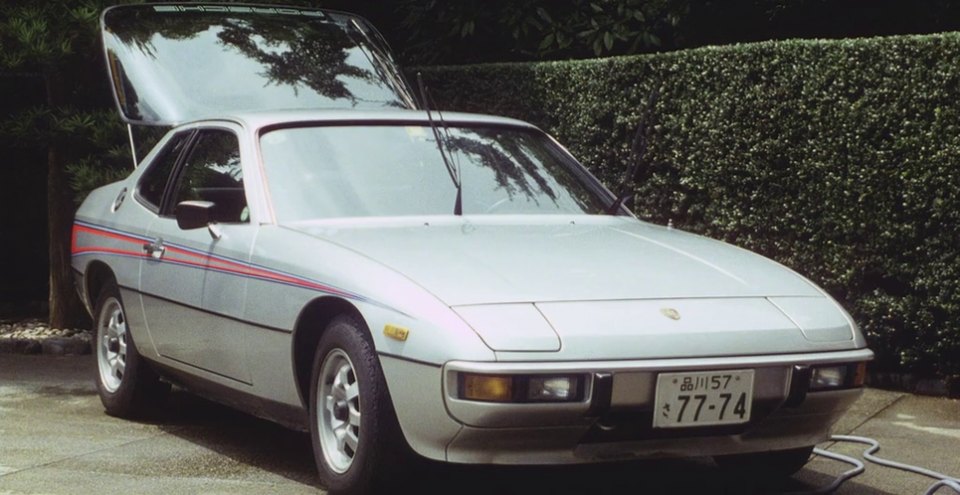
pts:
[112, 344]
[338, 407]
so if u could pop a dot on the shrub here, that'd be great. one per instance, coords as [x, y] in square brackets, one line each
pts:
[837, 158]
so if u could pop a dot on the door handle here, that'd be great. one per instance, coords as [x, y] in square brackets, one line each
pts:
[155, 249]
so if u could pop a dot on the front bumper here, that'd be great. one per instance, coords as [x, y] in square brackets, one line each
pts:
[614, 420]
[785, 428]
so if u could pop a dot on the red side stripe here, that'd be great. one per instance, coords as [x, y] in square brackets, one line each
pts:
[193, 259]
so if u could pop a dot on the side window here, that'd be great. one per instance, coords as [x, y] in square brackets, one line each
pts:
[212, 173]
[154, 180]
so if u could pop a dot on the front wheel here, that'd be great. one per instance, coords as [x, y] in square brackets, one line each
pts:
[357, 443]
[127, 386]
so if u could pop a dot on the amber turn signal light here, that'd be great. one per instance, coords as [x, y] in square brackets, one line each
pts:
[493, 388]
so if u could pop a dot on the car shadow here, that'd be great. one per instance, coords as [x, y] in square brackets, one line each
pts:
[647, 477]
[270, 447]
[243, 438]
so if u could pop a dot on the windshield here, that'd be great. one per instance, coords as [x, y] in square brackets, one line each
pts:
[396, 170]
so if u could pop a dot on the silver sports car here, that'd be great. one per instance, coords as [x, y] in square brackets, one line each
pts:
[306, 245]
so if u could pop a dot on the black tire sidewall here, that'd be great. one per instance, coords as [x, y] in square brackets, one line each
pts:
[368, 468]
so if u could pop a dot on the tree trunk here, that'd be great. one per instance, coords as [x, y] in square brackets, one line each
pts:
[65, 307]
[64, 303]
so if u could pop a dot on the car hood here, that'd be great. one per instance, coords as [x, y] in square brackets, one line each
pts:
[512, 259]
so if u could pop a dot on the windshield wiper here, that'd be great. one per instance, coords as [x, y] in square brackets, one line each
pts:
[638, 149]
[454, 171]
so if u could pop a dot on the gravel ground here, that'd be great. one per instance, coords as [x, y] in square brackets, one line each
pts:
[33, 336]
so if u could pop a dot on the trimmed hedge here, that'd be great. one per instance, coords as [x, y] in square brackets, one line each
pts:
[840, 159]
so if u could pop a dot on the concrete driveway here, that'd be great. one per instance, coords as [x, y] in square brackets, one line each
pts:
[55, 439]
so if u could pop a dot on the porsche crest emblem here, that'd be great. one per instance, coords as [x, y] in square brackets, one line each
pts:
[670, 313]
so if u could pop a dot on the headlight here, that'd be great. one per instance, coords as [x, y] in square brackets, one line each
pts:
[837, 376]
[521, 388]
[828, 377]
[553, 388]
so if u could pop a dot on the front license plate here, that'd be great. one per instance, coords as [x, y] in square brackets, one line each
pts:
[704, 398]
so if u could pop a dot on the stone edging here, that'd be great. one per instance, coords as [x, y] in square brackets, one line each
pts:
[34, 337]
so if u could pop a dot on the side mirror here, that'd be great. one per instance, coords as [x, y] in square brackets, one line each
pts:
[193, 214]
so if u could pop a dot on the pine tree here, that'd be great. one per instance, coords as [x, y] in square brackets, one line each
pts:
[58, 42]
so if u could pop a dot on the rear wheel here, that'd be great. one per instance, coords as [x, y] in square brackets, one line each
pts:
[766, 465]
[356, 440]
[126, 384]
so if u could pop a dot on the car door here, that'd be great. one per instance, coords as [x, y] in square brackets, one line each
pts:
[192, 280]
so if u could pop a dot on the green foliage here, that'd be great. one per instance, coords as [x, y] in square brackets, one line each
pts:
[840, 159]
[107, 158]
[40, 34]
[96, 140]
[91, 172]
[58, 40]
[522, 29]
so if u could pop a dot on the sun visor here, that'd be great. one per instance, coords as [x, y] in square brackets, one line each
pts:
[174, 63]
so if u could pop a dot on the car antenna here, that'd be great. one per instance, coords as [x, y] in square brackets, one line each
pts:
[638, 149]
[384, 60]
[454, 173]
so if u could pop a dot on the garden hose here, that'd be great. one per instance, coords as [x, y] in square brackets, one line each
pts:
[942, 479]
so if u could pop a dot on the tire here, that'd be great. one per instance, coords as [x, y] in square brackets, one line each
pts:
[127, 386]
[774, 465]
[357, 443]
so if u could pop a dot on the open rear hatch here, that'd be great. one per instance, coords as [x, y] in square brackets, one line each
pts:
[174, 63]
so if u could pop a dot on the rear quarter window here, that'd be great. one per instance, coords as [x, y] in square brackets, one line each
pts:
[154, 181]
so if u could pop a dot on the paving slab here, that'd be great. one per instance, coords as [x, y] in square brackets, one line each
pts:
[917, 430]
[55, 438]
